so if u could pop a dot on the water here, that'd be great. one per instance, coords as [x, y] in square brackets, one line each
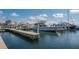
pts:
[48, 40]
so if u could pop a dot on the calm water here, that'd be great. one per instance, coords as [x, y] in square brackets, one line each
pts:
[67, 39]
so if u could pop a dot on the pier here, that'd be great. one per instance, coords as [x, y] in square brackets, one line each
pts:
[28, 34]
[2, 44]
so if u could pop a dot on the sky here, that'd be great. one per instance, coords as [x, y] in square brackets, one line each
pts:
[33, 15]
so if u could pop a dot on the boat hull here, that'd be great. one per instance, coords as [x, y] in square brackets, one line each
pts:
[47, 29]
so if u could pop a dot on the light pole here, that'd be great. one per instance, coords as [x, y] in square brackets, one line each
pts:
[68, 19]
[37, 25]
[38, 28]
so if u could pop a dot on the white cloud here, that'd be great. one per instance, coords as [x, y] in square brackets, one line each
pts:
[35, 19]
[74, 21]
[40, 18]
[2, 19]
[14, 14]
[59, 15]
[43, 15]
[31, 20]
[32, 17]
[74, 11]
[1, 12]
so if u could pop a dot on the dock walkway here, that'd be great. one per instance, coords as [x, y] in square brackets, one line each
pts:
[31, 35]
[2, 44]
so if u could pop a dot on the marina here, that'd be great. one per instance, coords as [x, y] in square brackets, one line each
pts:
[38, 30]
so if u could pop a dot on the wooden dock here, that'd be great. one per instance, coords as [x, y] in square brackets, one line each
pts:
[29, 34]
[2, 44]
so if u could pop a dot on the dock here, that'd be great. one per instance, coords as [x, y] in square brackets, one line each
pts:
[2, 44]
[2, 30]
[28, 34]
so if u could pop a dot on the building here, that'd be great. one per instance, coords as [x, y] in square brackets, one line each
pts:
[26, 26]
[11, 24]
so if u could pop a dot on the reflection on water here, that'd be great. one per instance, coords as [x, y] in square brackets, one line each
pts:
[66, 39]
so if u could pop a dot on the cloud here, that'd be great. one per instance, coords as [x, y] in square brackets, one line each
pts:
[3, 19]
[43, 15]
[1, 12]
[74, 21]
[41, 18]
[32, 17]
[14, 14]
[59, 15]
[74, 11]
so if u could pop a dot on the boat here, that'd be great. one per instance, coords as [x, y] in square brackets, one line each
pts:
[60, 27]
[45, 28]
[77, 27]
[71, 26]
[52, 28]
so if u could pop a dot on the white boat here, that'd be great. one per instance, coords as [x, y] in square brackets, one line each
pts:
[60, 27]
[43, 27]
[48, 29]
